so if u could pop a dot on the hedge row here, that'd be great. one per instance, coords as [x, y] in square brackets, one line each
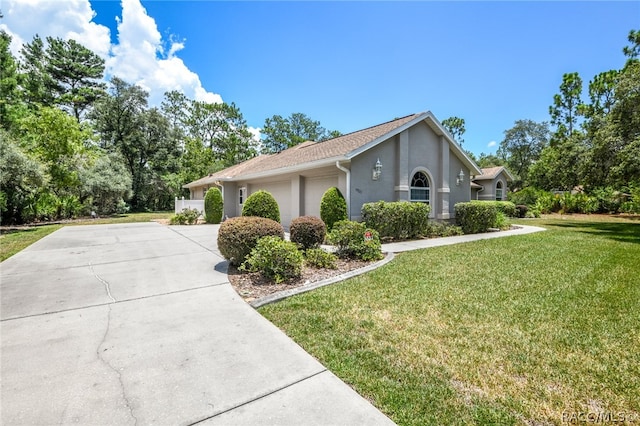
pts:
[476, 217]
[397, 220]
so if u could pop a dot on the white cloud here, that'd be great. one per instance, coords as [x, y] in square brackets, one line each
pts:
[139, 56]
[256, 132]
[492, 144]
[67, 19]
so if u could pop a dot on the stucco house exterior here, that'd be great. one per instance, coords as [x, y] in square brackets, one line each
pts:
[491, 184]
[412, 158]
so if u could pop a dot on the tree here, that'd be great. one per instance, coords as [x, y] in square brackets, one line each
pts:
[522, 146]
[489, 160]
[9, 95]
[633, 51]
[106, 183]
[567, 105]
[59, 142]
[75, 75]
[282, 133]
[21, 177]
[455, 126]
[560, 165]
[35, 80]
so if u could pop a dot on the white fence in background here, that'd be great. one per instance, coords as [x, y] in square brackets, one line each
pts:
[182, 204]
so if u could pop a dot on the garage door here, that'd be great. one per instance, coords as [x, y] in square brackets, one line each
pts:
[281, 191]
[314, 188]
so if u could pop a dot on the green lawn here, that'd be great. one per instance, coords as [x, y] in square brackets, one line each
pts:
[517, 330]
[15, 239]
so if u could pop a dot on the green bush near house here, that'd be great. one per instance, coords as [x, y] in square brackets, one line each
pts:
[213, 206]
[398, 220]
[354, 240]
[333, 207]
[261, 204]
[239, 235]
[307, 231]
[275, 258]
[506, 207]
[318, 258]
[438, 229]
[476, 217]
[186, 217]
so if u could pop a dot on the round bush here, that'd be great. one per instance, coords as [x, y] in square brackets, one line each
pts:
[307, 231]
[333, 207]
[355, 240]
[213, 206]
[261, 204]
[275, 258]
[239, 235]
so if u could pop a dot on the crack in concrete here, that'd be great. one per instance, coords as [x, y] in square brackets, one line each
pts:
[133, 299]
[127, 403]
[259, 397]
[105, 283]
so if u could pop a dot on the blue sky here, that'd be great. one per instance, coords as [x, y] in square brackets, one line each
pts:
[355, 64]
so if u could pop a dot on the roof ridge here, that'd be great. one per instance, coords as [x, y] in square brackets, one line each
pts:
[371, 127]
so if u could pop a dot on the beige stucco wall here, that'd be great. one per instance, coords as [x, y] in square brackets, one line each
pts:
[297, 194]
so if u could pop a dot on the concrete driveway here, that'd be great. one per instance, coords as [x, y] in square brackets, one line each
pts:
[137, 324]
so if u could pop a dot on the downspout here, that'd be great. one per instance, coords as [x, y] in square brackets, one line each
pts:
[348, 194]
[479, 191]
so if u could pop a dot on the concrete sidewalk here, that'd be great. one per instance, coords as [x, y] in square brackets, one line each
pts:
[138, 324]
[445, 241]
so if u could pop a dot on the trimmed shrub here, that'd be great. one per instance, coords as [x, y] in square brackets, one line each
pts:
[318, 258]
[397, 220]
[239, 235]
[521, 210]
[307, 231]
[475, 217]
[213, 206]
[506, 207]
[186, 217]
[275, 258]
[333, 207]
[355, 240]
[261, 204]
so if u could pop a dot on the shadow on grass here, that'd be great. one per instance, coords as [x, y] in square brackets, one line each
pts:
[21, 230]
[618, 231]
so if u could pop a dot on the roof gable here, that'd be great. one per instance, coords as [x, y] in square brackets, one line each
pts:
[493, 172]
[315, 154]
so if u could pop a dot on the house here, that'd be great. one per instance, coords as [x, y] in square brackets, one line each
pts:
[491, 184]
[412, 158]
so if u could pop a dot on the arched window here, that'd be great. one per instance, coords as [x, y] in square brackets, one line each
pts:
[499, 191]
[420, 187]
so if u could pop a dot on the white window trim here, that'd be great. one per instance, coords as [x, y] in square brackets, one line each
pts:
[431, 185]
[242, 194]
[501, 189]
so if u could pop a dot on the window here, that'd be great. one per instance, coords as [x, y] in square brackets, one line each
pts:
[420, 187]
[499, 191]
[241, 195]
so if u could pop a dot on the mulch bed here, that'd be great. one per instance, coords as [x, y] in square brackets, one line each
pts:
[252, 285]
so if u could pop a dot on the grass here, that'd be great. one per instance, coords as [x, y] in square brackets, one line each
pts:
[14, 239]
[517, 330]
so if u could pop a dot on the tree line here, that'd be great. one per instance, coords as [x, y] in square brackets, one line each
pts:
[72, 144]
[591, 143]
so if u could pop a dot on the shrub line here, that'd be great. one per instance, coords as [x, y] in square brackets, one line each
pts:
[276, 297]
